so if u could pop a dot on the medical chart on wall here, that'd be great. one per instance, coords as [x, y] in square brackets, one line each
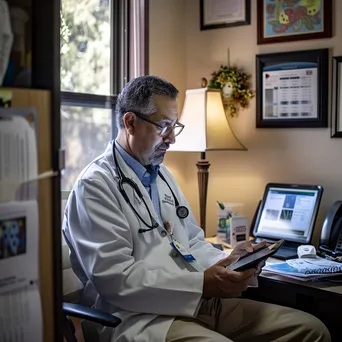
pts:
[290, 91]
[20, 303]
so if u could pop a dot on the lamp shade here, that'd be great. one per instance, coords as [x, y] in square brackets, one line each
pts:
[206, 125]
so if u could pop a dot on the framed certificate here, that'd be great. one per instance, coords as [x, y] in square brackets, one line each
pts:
[336, 112]
[224, 13]
[292, 89]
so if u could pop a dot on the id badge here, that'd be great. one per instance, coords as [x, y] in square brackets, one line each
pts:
[183, 252]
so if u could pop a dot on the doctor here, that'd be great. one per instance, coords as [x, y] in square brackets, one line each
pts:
[136, 246]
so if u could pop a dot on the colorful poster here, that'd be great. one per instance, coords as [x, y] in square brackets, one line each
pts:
[284, 18]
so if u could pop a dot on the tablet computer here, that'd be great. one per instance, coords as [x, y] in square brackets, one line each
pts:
[254, 258]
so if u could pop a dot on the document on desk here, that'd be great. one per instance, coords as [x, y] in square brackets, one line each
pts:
[315, 265]
[305, 269]
[20, 305]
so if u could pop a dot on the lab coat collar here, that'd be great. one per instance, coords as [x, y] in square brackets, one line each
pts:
[129, 173]
[146, 176]
[127, 170]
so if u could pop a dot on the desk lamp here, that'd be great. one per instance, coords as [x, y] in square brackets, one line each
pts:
[206, 129]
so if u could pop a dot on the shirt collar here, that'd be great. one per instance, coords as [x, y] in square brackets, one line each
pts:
[146, 175]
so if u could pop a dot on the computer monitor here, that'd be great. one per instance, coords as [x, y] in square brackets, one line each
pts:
[288, 211]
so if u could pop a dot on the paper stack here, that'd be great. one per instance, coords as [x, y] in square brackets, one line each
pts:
[305, 269]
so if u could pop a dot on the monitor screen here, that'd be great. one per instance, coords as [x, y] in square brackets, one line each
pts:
[288, 212]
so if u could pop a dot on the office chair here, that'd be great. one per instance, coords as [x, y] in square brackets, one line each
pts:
[72, 295]
[89, 314]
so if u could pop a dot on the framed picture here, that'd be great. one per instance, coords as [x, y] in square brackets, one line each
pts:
[336, 108]
[292, 89]
[290, 20]
[224, 13]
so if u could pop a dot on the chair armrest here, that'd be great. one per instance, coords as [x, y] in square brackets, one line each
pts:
[90, 314]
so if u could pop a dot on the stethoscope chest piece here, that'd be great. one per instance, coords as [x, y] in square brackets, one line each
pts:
[182, 212]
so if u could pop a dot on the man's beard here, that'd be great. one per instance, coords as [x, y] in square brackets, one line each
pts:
[158, 156]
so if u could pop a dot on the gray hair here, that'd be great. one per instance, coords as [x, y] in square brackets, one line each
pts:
[138, 95]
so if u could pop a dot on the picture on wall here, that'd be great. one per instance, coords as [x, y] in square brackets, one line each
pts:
[336, 108]
[216, 14]
[291, 20]
[292, 89]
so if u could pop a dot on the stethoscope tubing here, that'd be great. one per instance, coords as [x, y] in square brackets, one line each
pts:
[181, 211]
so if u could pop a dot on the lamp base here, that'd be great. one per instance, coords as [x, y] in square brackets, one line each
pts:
[203, 177]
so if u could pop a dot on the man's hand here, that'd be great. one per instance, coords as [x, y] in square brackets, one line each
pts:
[244, 247]
[223, 283]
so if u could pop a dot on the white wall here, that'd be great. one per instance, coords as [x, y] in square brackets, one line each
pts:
[182, 53]
[167, 59]
[283, 155]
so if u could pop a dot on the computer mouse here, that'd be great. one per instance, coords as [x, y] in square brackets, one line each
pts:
[306, 251]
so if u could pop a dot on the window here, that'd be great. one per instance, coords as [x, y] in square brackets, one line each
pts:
[85, 46]
[99, 52]
[86, 132]
[91, 32]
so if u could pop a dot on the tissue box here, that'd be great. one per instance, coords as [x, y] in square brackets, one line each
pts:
[238, 230]
[225, 212]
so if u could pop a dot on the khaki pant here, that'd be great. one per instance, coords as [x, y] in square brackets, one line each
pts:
[224, 320]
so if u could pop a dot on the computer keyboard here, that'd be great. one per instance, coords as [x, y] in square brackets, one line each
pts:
[285, 253]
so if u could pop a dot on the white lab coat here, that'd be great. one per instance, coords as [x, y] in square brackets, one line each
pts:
[129, 274]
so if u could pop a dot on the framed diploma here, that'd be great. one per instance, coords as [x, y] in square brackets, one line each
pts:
[224, 13]
[336, 112]
[292, 89]
[292, 20]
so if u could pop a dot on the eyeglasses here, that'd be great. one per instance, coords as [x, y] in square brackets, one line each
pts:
[177, 128]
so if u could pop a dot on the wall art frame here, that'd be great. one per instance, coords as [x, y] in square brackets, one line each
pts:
[288, 21]
[336, 106]
[292, 89]
[214, 16]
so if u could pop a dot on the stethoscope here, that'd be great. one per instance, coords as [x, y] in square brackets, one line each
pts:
[181, 211]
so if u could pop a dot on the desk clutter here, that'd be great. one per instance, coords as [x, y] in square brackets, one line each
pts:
[232, 226]
[288, 212]
[305, 268]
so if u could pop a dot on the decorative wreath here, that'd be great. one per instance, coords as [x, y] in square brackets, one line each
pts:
[234, 85]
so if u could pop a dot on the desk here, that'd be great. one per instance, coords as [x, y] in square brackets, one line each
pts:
[322, 299]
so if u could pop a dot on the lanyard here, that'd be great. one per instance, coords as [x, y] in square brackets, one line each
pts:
[180, 250]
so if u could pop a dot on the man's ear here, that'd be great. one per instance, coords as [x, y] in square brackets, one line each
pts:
[129, 120]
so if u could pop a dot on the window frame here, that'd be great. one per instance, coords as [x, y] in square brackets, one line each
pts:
[138, 38]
